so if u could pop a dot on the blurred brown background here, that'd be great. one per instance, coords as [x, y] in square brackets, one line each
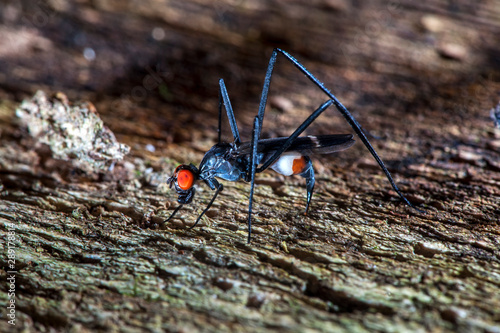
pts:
[159, 62]
[421, 78]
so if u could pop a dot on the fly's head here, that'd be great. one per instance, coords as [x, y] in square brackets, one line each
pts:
[183, 180]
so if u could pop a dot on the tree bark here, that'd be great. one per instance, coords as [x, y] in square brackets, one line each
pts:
[90, 247]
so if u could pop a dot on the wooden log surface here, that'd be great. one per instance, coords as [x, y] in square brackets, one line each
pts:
[91, 252]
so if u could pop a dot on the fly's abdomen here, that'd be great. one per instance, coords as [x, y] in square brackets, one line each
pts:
[292, 164]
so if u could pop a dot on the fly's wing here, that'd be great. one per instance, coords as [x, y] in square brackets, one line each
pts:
[305, 145]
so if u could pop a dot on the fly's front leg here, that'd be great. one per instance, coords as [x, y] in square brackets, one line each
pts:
[218, 189]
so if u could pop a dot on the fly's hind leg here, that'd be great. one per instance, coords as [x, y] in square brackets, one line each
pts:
[308, 174]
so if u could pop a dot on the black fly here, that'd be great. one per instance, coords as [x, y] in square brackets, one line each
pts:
[288, 156]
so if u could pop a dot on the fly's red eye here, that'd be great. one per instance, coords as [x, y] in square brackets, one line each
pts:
[185, 179]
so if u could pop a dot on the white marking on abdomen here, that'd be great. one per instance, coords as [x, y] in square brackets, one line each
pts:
[284, 164]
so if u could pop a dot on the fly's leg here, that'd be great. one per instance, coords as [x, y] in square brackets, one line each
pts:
[224, 100]
[340, 107]
[219, 188]
[253, 167]
[172, 215]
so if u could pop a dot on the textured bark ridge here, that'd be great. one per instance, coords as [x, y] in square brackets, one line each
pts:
[90, 247]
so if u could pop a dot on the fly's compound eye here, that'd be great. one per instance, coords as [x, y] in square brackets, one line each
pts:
[185, 179]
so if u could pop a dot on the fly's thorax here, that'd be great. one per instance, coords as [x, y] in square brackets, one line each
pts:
[222, 162]
[291, 163]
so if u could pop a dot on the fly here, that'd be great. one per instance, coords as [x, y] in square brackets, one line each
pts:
[287, 156]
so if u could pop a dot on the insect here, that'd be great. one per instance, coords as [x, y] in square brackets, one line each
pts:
[288, 155]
